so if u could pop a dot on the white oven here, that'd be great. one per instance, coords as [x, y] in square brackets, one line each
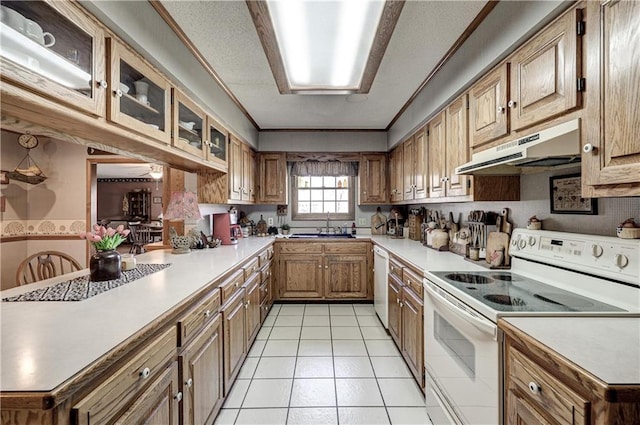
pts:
[552, 274]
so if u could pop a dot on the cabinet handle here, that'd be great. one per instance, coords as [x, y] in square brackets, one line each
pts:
[237, 284]
[144, 373]
[118, 93]
[534, 388]
[589, 148]
[397, 300]
[103, 84]
[189, 383]
[512, 104]
[401, 305]
[326, 267]
[207, 313]
[178, 396]
[500, 109]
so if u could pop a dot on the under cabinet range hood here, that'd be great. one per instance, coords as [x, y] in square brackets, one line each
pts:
[558, 145]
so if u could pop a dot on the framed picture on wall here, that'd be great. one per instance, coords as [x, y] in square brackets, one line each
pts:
[157, 199]
[565, 197]
[4, 177]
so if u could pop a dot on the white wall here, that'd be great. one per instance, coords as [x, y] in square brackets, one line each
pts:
[323, 141]
[507, 26]
[140, 26]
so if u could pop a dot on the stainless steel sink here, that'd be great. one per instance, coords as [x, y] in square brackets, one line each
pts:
[322, 235]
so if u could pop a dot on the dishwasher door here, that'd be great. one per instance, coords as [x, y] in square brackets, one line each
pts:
[380, 293]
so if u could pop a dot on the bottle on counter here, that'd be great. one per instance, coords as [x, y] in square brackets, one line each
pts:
[353, 228]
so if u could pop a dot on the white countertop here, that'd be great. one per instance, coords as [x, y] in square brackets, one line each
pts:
[45, 343]
[607, 347]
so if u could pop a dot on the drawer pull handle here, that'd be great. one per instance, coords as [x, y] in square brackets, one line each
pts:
[178, 396]
[534, 388]
[207, 313]
[189, 383]
[397, 300]
[237, 284]
[144, 373]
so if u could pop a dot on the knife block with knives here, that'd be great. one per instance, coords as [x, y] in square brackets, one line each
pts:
[499, 240]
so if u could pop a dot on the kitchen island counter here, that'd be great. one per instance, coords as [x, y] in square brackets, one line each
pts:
[45, 343]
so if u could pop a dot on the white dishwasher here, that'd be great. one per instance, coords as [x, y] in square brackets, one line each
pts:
[380, 291]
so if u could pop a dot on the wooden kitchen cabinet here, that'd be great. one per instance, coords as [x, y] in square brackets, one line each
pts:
[611, 147]
[408, 166]
[437, 156]
[372, 178]
[324, 270]
[234, 337]
[272, 178]
[488, 113]
[80, 81]
[127, 107]
[252, 307]
[394, 320]
[235, 175]
[457, 147]
[396, 176]
[215, 143]
[415, 158]
[189, 125]
[201, 376]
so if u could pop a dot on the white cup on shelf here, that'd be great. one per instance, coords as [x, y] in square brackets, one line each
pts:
[13, 19]
[33, 30]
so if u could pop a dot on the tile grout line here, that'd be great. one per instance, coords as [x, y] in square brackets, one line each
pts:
[333, 363]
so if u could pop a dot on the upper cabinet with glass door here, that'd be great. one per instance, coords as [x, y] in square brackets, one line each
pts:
[140, 97]
[216, 142]
[55, 49]
[189, 123]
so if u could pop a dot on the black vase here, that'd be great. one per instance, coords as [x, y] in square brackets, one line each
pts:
[105, 265]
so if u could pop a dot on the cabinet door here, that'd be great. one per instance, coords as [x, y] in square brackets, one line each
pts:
[457, 136]
[189, 125]
[248, 170]
[437, 156]
[273, 178]
[252, 307]
[235, 174]
[612, 129]
[140, 97]
[300, 276]
[488, 107]
[158, 404]
[411, 310]
[421, 169]
[544, 74]
[520, 412]
[373, 179]
[79, 81]
[233, 324]
[345, 276]
[394, 292]
[202, 375]
[408, 162]
[215, 142]
[396, 162]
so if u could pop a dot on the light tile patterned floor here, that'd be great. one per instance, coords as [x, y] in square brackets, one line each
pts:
[324, 364]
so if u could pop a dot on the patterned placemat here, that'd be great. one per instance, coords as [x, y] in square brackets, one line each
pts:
[81, 288]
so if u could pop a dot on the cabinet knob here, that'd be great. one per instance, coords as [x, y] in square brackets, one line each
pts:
[118, 93]
[534, 388]
[144, 373]
[103, 84]
[178, 396]
[207, 313]
[500, 109]
[401, 305]
[512, 104]
[397, 300]
[589, 148]
[237, 284]
[189, 383]
[319, 266]
[326, 267]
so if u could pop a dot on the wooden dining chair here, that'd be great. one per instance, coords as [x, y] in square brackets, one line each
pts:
[45, 265]
[140, 236]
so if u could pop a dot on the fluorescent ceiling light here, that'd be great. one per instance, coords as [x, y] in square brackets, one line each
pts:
[325, 44]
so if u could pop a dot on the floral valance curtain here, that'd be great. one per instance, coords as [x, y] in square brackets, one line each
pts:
[324, 168]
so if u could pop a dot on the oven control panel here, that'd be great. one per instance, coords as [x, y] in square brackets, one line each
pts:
[607, 256]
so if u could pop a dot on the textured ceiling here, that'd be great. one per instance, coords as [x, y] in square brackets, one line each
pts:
[224, 33]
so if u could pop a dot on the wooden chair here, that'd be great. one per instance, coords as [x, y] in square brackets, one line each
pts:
[140, 236]
[45, 265]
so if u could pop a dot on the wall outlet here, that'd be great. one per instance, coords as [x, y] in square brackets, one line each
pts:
[362, 222]
[270, 221]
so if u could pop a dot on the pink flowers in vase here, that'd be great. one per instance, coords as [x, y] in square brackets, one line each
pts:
[105, 238]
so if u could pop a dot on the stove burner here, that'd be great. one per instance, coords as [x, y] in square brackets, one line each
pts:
[469, 278]
[505, 300]
[564, 300]
[507, 277]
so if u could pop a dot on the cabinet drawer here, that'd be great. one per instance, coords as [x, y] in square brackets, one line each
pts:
[124, 385]
[412, 280]
[231, 285]
[347, 248]
[544, 392]
[250, 268]
[196, 318]
[301, 248]
[265, 256]
[395, 268]
[265, 271]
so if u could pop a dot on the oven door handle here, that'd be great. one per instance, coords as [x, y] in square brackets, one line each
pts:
[481, 324]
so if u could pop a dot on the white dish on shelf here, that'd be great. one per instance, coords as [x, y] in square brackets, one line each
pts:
[187, 125]
[157, 127]
[124, 88]
[29, 54]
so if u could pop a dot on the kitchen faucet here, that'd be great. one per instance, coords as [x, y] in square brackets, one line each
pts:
[327, 221]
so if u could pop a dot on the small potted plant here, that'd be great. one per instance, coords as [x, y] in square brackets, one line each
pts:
[106, 262]
[285, 229]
